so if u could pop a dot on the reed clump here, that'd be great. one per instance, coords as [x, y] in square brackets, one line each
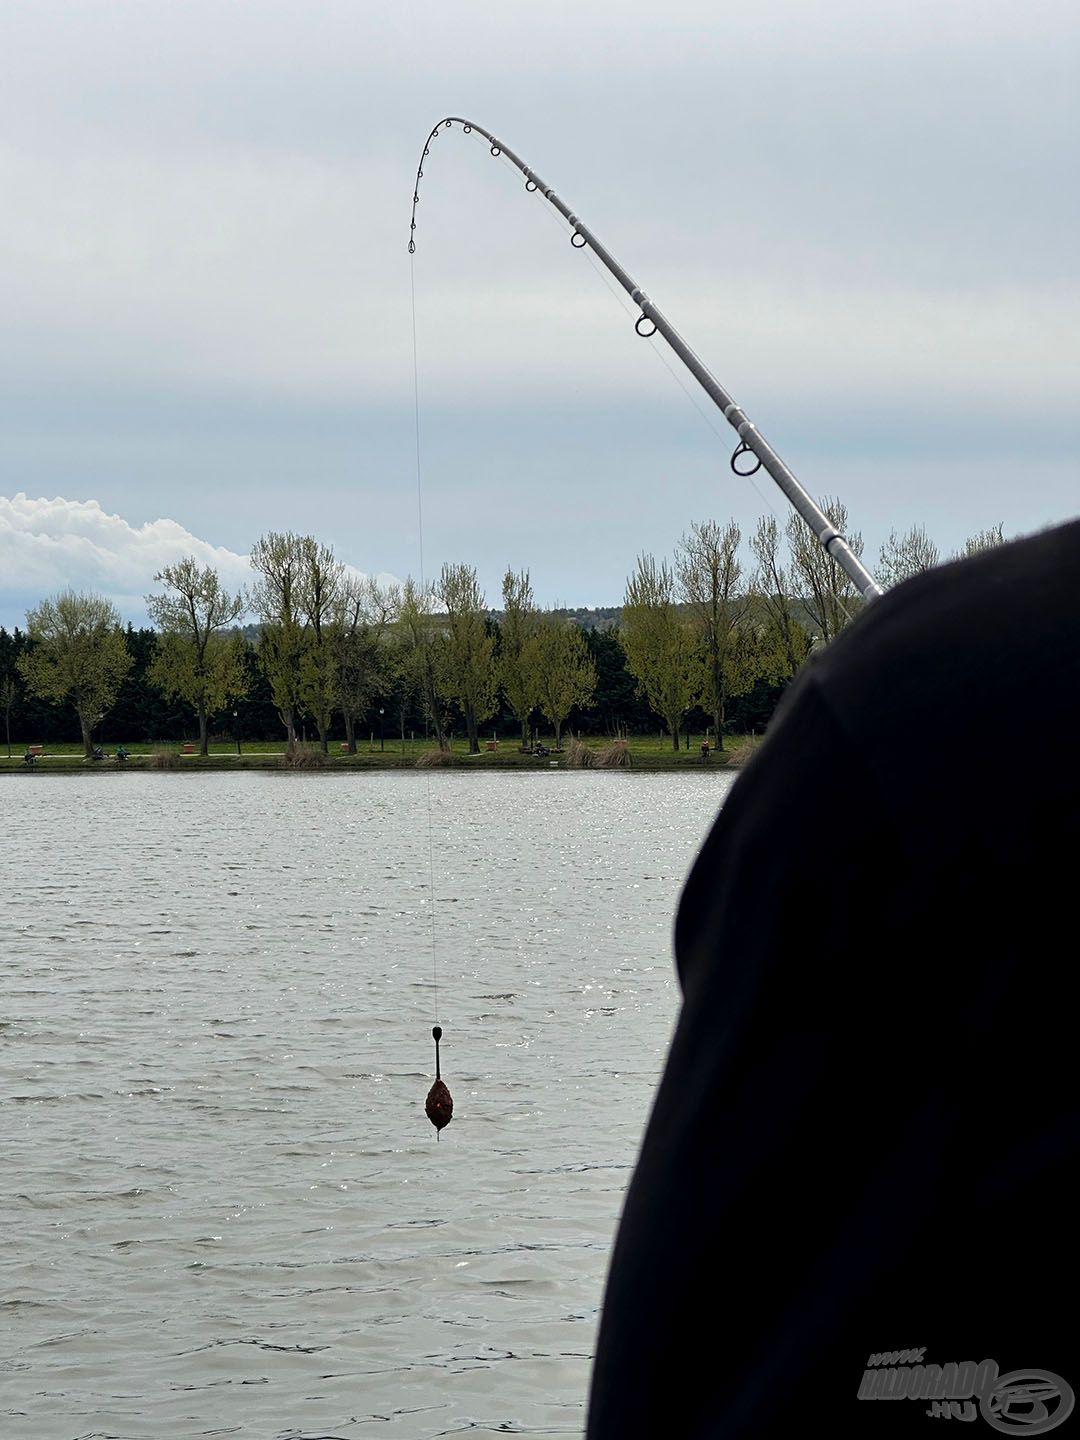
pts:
[165, 759]
[613, 756]
[432, 757]
[305, 757]
[579, 756]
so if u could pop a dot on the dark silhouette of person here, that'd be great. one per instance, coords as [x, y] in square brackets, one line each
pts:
[864, 1141]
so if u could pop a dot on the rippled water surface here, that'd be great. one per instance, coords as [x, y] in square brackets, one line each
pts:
[224, 1210]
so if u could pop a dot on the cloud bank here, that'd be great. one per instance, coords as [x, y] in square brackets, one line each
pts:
[51, 545]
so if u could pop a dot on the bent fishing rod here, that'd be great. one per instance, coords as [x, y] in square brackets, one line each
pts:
[651, 321]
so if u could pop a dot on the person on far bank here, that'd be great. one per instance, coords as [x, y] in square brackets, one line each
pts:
[862, 1152]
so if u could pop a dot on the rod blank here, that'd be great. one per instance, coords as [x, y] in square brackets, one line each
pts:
[750, 438]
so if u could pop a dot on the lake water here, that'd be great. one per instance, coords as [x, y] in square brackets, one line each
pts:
[224, 1211]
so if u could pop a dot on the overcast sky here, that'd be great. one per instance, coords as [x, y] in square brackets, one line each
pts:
[862, 216]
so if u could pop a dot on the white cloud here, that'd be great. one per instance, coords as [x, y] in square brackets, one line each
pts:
[58, 544]
[51, 545]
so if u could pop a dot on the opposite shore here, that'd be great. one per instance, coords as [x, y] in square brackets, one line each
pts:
[636, 753]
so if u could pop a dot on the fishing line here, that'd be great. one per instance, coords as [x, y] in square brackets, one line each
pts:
[752, 444]
[439, 1105]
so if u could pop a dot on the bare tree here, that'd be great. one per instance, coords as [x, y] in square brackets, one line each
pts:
[772, 588]
[828, 593]
[195, 659]
[903, 556]
[983, 540]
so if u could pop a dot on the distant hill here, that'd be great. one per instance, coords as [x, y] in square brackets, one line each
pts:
[598, 617]
[588, 617]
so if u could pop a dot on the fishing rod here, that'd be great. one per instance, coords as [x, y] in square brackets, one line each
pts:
[751, 442]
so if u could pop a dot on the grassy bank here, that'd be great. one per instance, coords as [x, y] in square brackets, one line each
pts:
[645, 752]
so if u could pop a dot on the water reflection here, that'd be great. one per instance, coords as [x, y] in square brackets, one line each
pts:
[227, 1213]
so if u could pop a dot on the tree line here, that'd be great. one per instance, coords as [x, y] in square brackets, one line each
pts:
[705, 641]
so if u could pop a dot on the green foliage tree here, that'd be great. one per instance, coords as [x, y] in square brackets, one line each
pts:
[322, 589]
[142, 711]
[78, 655]
[708, 572]
[366, 610]
[278, 599]
[468, 653]
[661, 650]
[420, 646]
[195, 658]
[400, 679]
[903, 556]
[566, 675]
[519, 649]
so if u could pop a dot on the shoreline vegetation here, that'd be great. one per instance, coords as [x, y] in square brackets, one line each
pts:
[698, 648]
[639, 752]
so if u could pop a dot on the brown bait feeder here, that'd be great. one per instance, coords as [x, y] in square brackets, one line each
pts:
[439, 1104]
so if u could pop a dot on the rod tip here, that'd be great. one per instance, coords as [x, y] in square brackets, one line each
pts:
[436, 1033]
